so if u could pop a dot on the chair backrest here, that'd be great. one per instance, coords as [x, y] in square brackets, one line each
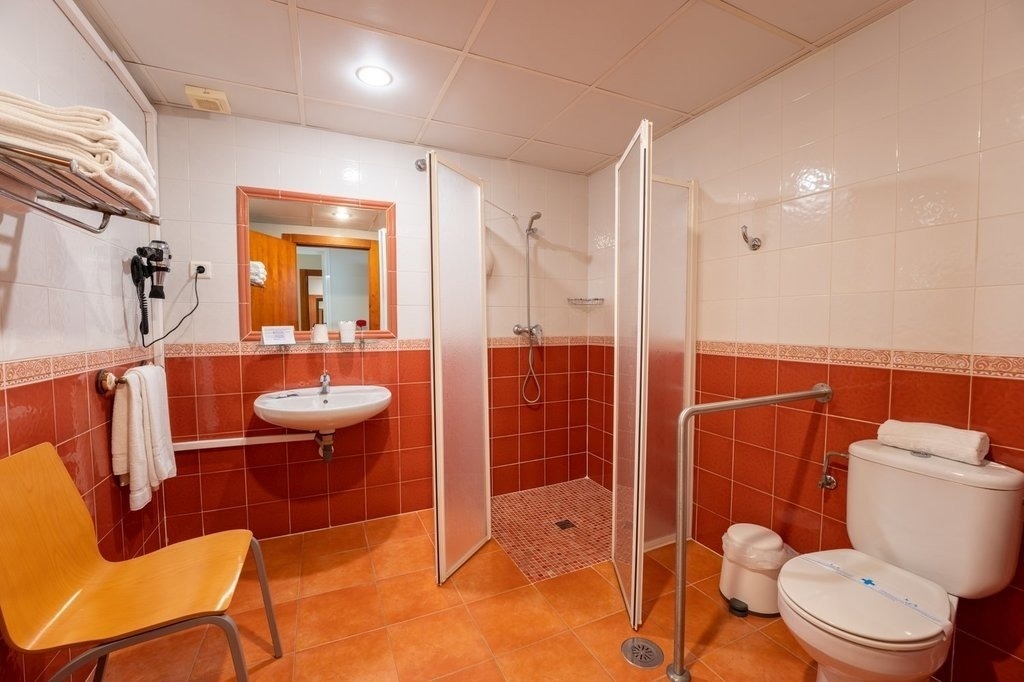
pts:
[47, 543]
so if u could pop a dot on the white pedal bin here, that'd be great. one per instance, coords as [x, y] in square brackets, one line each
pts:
[753, 556]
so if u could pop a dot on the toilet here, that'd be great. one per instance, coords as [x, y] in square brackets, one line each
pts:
[925, 531]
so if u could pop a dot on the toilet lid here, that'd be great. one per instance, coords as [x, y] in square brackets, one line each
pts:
[866, 597]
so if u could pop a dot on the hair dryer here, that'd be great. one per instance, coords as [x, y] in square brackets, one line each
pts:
[158, 263]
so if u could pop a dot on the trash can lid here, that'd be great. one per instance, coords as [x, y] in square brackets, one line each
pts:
[754, 536]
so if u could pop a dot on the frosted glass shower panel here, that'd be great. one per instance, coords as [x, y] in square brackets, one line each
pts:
[632, 218]
[459, 363]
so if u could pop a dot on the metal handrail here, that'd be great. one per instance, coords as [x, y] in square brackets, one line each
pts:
[820, 392]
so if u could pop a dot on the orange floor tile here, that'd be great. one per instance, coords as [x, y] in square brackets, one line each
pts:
[359, 602]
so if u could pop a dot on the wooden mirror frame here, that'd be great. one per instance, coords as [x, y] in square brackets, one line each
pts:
[242, 196]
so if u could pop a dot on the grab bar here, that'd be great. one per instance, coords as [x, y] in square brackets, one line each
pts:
[820, 392]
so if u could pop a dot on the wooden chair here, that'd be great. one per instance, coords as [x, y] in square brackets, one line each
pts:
[56, 590]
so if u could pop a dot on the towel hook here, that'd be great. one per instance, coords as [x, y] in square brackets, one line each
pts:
[754, 243]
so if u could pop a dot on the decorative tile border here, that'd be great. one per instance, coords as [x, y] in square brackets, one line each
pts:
[947, 363]
[31, 370]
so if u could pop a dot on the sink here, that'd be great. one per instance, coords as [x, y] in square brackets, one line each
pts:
[308, 409]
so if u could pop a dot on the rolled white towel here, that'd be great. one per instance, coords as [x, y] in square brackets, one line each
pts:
[935, 439]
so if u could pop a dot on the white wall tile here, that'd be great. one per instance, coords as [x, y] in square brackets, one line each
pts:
[760, 184]
[803, 320]
[925, 19]
[808, 118]
[757, 275]
[1001, 250]
[716, 320]
[718, 280]
[867, 95]
[866, 152]
[805, 271]
[941, 129]
[933, 320]
[864, 209]
[807, 220]
[808, 169]
[998, 324]
[861, 320]
[757, 320]
[875, 42]
[1004, 50]
[862, 265]
[808, 75]
[1002, 110]
[760, 122]
[936, 257]
[939, 193]
[1000, 187]
[942, 65]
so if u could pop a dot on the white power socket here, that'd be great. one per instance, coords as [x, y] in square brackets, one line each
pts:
[193, 265]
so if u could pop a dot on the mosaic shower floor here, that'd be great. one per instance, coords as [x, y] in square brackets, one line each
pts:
[526, 525]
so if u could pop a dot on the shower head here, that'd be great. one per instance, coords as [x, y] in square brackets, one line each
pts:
[530, 229]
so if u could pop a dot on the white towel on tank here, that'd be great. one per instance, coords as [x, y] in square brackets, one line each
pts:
[935, 439]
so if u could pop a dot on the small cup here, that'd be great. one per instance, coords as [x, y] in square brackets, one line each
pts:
[318, 334]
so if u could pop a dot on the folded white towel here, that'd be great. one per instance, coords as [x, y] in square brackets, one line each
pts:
[126, 174]
[98, 125]
[141, 434]
[935, 439]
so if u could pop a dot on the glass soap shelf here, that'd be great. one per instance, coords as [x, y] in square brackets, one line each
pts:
[586, 301]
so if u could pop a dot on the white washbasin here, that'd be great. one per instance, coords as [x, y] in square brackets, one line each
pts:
[308, 409]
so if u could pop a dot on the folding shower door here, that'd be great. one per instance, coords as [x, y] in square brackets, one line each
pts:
[632, 225]
[458, 353]
[653, 358]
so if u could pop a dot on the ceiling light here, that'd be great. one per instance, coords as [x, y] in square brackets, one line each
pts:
[374, 75]
[341, 213]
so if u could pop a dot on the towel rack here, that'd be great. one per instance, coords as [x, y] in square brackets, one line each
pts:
[58, 180]
[107, 381]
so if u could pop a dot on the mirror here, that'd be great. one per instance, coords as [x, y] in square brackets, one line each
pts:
[311, 258]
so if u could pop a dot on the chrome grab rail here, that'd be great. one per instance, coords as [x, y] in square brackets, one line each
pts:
[820, 392]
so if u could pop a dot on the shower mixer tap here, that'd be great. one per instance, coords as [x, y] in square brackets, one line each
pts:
[533, 331]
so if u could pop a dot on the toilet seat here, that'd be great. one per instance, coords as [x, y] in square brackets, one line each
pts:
[862, 599]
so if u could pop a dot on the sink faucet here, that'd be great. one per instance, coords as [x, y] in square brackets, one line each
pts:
[325, 383]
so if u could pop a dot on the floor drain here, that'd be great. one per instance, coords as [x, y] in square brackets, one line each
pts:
[643, 653]
[565, 524]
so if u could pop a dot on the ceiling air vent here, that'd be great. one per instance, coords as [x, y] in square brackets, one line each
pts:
[205, 99]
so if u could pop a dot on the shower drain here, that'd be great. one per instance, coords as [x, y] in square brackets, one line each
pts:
[643, 653]
[565, 524]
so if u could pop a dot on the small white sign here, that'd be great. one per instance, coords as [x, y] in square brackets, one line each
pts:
[278, 336]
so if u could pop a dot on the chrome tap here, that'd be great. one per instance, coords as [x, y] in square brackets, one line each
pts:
[325, 383]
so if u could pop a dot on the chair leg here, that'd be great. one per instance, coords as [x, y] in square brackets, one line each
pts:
[99, 652]
[227, 624]
[268, 606]
[101, 666]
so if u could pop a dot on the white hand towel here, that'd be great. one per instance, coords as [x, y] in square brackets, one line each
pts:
[935, 439]
[154, 400]
[143, 455]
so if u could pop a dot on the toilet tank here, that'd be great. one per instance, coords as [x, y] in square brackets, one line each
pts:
[956, 524]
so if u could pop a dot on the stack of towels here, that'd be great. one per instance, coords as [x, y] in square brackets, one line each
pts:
[257, 273]
[935, 439]
[140, 440]
[106, 151]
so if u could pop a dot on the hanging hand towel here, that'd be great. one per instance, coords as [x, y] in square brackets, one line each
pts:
[935, 439]
[143, 455]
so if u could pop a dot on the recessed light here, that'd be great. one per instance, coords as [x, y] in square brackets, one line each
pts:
[341, 213]
[374, 75]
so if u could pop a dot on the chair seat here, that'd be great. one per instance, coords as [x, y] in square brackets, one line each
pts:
[187, 579]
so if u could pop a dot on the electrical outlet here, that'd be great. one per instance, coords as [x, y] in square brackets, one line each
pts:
[193, 265]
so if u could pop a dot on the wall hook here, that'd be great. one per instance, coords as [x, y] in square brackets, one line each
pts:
[754, 243]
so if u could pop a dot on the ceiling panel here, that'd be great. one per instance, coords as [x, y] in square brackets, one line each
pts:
[560, 158]
[557, 83]
[332, 51]
[245, 100]
[601, 122]
[445, 22]
[574, 39]
[470, 141]
[811, 20]
[356, 121]
[245, 41]
[702, 54]
[504, 99]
